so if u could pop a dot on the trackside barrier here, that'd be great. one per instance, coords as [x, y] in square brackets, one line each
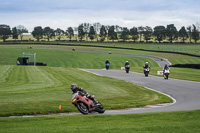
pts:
[159, 72]
[122, 68]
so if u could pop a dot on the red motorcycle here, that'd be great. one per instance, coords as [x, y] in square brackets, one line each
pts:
[86, 105]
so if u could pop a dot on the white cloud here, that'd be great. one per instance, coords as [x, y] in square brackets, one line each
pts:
[125, 13]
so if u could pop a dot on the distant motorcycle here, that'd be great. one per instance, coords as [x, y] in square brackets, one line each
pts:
[166, 73]
[107, 66]
[127, 68]
[86, 105]
[146, 72]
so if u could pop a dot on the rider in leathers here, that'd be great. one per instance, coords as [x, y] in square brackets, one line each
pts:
[126, 63]
[74, 89]
[146, 65]
[165, 68]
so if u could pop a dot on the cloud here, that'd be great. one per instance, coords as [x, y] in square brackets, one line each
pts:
[125, 13]
[53, 5]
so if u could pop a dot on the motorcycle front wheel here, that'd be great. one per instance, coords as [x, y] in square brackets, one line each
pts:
[100, 108]
[165, 76]
[82, 108]
[146, 74]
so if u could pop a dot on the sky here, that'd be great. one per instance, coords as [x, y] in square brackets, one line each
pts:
[125, 13]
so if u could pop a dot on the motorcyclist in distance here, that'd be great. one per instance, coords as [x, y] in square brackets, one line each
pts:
[127, 67]
[107, 62]
[166, 68]
[75, 89]
[146, 65]
[126, 63]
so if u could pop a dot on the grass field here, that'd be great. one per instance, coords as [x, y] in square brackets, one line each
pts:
[40, 90]
[59, 56]
[183, 48]
[173, 122]
[86, 57]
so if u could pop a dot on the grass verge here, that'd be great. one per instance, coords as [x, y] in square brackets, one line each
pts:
[175, 122]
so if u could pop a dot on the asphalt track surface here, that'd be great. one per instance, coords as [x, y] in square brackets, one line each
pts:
[185, 94]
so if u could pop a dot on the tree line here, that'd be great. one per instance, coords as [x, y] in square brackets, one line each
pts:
[102, 32]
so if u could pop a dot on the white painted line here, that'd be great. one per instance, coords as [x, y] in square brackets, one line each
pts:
[91, 72]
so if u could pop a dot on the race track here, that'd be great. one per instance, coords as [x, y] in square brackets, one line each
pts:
[185, 94]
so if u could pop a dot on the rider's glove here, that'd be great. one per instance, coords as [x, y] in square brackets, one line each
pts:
[87, 94]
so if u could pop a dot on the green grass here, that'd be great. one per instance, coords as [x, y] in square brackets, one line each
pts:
[174, 122]
[40, 90]
[86, 57]
[183, 48]
[59, 56]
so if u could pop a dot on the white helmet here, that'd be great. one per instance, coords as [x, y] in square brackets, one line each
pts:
[146, 62]
[126, 61]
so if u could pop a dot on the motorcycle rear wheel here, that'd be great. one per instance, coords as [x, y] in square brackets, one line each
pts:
[82, 108]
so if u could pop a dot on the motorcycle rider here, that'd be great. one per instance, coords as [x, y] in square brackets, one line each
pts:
[165, 68]
[75, 89]
[146, 65]
[126, 63]
[107, 62]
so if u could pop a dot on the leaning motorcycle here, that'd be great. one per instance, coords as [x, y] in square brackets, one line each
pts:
[86, 105]
[166, 73]
[127, 68]
[146, 72]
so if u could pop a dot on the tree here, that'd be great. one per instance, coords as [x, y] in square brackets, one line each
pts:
[147, 33]
[112, 34]
[86, 29]
[195, 33]
[81, 32]
[103, 33]
[183, 34]
[70, 33]
[97, 27]
[118, 29]
[140, 31]
[59, 33]
[159, 32]
[171, 32]
[4, 32]
[48, 33]
[125, 34]
[20, 30]
[189, 30]
[14, 33]
[134, 33]
[38, 33]
[91, 33]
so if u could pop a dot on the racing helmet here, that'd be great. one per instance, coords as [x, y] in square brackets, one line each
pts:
[73, 87]
[146, 62]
